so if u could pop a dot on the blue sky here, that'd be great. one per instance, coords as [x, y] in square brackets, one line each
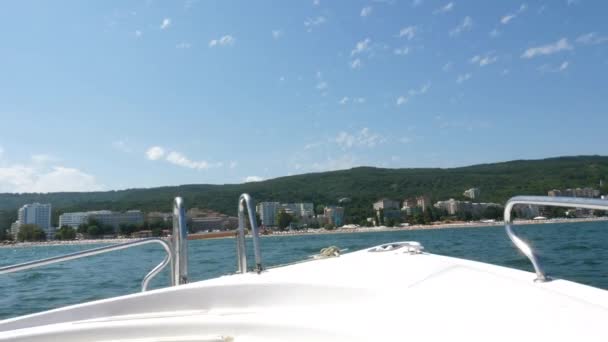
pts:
[121, 94]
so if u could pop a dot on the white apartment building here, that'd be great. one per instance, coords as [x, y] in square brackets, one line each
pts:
[37, 214]
[73, 219]
[268, 213]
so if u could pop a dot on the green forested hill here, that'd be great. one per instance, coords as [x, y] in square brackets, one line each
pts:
[498, 182]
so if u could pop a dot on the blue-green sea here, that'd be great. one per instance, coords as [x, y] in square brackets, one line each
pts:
[573, 251]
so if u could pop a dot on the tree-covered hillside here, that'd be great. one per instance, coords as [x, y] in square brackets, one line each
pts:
[363, 185]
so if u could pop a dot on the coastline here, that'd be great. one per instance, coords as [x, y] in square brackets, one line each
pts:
[321, 231]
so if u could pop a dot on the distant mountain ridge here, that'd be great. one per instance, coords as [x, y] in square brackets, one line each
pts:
[498, 182]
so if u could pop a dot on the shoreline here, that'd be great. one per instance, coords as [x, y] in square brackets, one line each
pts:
[322, 231]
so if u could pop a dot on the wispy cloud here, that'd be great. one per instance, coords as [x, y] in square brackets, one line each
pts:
[401, 51]
[408, 32]
[311, 23]
[157, 153]
[355, 100]
[316, 2]
[591, 38]
[137, 33]
[356, 64]
[233, 164]
[508, 17]
[548, 49]
[483, 60]
[165, 23]
[250, 179]
[403, 99]
[465, 25]
[551, 68]
[366, 11]
[463, 78]
[363, 138]
[445, 8]
[361, 47]
[416, 3]
[226, 40]
[447, 66]
[277, 34]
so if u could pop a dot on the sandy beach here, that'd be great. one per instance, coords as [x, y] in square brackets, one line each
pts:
[341, 230]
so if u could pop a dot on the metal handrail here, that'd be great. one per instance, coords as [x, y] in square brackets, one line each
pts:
[177, 252]
[179, 237]
[96, 251]
[573, 202]
[246, 200]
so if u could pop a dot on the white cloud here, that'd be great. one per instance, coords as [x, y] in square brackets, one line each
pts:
[408, 32]
[155, 153]
[183, 45]
[445, 8]
[1, 152]
[484, 60]
[179, 159]
[403, 99]
[250, 179]
[591, 38]
[165, 24]
[276, 34]
[550, 68]
[505, 19]
[447, 66]
[356, 64]
[494, 33]
[405, 140]
[366, 11]
[363, 138]
[548, 49]
[316, 2]
[355, 100]
[322, 85]
[312, 145]
[466, 25]
[463, 78]
[311, 23]
[401, 51]
[233, 164]
[138, 33]
[226, 40]
[361, 46]
[22, 178]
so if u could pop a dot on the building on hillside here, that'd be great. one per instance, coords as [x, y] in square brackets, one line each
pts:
[73, 219]
[423, 202]
[115, 219]
[15, 229]
[157, 216]
[299, 209]
[386, 204]
[526, 211]
[454, 207]
[410, 206]
[578, 192]
[36, 214]
[472, 193]
[268, 213]
[334, 215]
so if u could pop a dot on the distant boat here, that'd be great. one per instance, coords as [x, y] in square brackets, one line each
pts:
[539, 218]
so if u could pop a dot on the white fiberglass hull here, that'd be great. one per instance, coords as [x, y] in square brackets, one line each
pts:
[392, 295]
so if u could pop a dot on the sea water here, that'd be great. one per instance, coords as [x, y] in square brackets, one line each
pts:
[573, 251]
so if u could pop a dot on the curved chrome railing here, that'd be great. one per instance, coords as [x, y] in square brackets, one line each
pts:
[177, 252]
[571, 202]
[245, 200]
[95, 251]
